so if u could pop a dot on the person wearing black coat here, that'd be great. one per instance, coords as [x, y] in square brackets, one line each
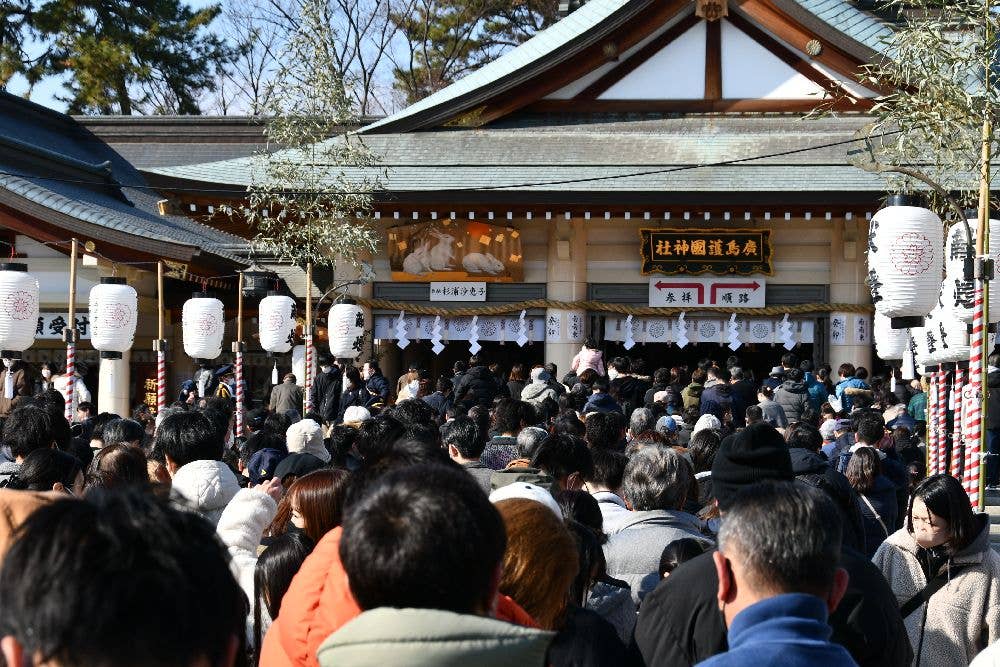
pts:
[477, 386]
[356, 393]
[375, 386]
[326, 392]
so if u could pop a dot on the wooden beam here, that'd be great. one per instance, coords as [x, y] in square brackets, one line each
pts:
[695, 106]
[629, 65]
[593, 57]
[713, 60]
[767, 16]
[785, 55]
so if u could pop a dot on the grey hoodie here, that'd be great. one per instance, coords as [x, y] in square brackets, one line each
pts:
[633, 553]
[537, 392]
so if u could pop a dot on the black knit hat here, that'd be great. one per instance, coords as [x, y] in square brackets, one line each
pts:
[755, 454]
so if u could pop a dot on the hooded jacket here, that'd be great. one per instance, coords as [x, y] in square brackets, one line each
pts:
[846, 402]
[205, 487]
[633, 553]
[816, 390]
[476, 387]
[432, 638]
[963, 617]
[691, 395]
[536, 393]
[681, 624]
[588, 358]
[813, 469]
[319, 602]
[719, 398]
[601, 402]
[793, 397]
[630, 392]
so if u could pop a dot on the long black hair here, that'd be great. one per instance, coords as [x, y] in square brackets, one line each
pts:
[944, 497]
[273, 575]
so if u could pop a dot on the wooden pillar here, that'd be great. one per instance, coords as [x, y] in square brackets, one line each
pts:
[566, 270]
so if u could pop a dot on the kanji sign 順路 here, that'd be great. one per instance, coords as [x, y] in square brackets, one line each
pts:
[691, 292]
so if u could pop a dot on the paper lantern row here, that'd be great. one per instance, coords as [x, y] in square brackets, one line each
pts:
[495, 329]
[113, 317]
[706, 330]
[958, 293]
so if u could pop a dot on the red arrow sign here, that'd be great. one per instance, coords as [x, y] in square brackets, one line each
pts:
[695, 286]
[754, 286]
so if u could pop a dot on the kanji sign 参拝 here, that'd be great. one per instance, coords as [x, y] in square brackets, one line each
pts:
[694, 251]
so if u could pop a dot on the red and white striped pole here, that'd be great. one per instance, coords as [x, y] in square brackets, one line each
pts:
[972, 400]
[238, 353]
[307, 397]
[932, 417]
[69, 335]
[942, 422]
[956, 439]
[161, 344]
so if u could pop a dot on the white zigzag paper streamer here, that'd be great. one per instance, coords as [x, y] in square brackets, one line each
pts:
[734, 333]
[401, 340]
[785, 333]
[474, 345]
[522, 330]
[436, 345]
[682, 338]
[629, 340]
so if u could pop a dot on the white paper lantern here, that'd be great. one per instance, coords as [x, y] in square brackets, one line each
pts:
[347, 330]
[890, 344]
[203, 323]
[960, 293]
[113, 315]
[905, 259]
[18, 309]
[276, 323]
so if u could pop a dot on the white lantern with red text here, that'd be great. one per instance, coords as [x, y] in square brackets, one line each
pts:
[276, 323]
[905, 260]
[18, 309]
[346, 326]
[113, 317]
[203, 324]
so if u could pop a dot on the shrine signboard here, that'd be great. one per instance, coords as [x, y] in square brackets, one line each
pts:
[695, 251]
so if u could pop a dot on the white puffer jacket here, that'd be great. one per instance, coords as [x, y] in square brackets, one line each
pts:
[205, 487]
[241, 527]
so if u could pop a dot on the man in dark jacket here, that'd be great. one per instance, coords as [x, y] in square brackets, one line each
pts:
[376, 384]
[477, 386]
[718, 399]
[681, 624]
[792, 395]
[742, 387]
[993, 422]
[627, 390]
[326, 391]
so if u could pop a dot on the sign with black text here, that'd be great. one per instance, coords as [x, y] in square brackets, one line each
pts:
[692, 291]
[694, 251]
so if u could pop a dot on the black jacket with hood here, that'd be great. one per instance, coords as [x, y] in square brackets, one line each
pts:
[793, 397]
[477, 386]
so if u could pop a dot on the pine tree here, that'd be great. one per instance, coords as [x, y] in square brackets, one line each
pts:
[447, 39]
[127, 56]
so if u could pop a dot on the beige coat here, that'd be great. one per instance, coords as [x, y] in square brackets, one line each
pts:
[964, 615]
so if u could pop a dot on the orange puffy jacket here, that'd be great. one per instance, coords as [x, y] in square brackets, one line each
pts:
[319, 602]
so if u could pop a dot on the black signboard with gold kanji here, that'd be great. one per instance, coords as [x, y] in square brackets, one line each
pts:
[694, 251]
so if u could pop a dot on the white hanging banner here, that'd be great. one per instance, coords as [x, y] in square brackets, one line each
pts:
[861, 330]
[710, 331]
[761, 331]
[553, 326]
[401, 340]
[436, 345]
[838, 329]
[680, 327]
[522, 330]
[474, 345]
[575, 326]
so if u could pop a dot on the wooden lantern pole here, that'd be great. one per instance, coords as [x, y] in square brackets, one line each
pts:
[69, 334]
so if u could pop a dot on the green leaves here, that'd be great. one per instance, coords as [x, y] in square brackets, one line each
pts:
[149, 56]
[940, 65]
[310, 196]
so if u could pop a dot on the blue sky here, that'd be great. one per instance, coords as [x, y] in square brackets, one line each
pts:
[45, 92]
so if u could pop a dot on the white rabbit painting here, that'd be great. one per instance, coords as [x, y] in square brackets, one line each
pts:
[442, 255]
[482, 263]
[418, 262]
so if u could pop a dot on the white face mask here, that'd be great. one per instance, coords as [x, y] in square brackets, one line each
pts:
[325, 369]
[612, 373]
[7, 363]
[46, 374]
[413, 387]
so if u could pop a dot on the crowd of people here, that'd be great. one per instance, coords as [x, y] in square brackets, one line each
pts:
[617, 515]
